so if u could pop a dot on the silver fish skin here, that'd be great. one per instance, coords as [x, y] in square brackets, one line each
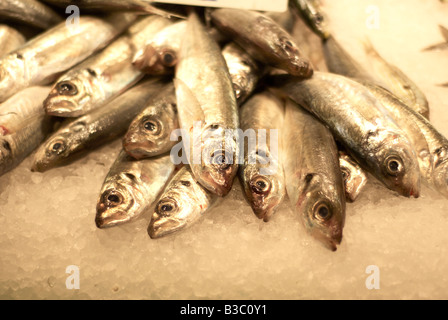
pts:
[433, 151]
[353, 115]
[312, 175]
[183, 202]
[30, 12]
[397, 82]
[20, 108]
[263, 39]
[103, 76]
[131, 187]
[15, 147]
[312, 14]
[355, 179]
[207, 109]
[42, 59]
[95, 128]
[261, 174]
[10, 39]
[284, 19]
[149, 133]
[244, 71]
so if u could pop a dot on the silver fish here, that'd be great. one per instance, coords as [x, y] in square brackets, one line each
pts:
[30, 12]
[42, 59]
[103, 76]
[397, 82]
[183, 202]
[130, 187]
[353, 115]
[206, 102]
[244, 71]
[149, 133]
[261, 174]
[263, 39]
[354, 177]
[10, 39]
[21, 108]
[310, 11]
[313, 178]
[93, 129]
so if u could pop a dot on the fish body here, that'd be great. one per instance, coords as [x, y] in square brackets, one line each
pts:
[149, 133]
[29, 12]
[183, 202]
[95, 128]
[207, 109]
[261, 174]
[353, 115]
[10, 39]
[42, 59]
[354, 177]
[313, 178]
[263, 39]
[130, 187]
[103, 76]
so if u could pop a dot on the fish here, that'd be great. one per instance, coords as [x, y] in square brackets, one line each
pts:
[284, 19]
[95, 128]
[10, 39]
[441, 46]
[397, 82]
[355, 179]
[103, 76]
[310, 12]
[353, 115]
[245, 72]
[207, 109]
[313, 177]
[20, 108]
[149, 134]
[30, 12]
[182, 203]
[263, 39]
[131, 187]
[261, 174]
[42, 59]
[432, 151]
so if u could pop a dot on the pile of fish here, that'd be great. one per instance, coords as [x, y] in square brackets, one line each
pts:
[160, 77]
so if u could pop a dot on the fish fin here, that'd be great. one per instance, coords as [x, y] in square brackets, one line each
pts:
[444, 32]
[147, 7]
[369, 48]
[443, 85]
[437, 46]
[185, 96]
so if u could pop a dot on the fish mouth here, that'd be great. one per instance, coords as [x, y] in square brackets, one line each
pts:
[147, 61]
[137, 149]
[60, 108]
[104, 220]
[159, 228]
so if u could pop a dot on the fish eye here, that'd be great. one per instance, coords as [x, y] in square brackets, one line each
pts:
[345, 174]
[67, 88]
[260, 185]
[165, 207]
[322, 212]
[152, 126]
[112, 198]
[168, 58]
[393, 165]
[57, 147]
[221, 160]
[318, 18]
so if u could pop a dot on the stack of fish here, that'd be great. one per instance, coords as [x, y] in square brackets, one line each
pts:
[154, 78]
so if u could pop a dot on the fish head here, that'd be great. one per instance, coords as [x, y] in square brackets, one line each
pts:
[295, 64]
[219, 159]
[119, 202]
[149, 133]
[398, 166]
[178, 207]
[12, 75]
[156, 60]
[71, 96]
[440, 174]
[354, 178]
[323, 209]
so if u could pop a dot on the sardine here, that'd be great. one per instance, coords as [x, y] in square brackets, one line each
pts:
[353, 175]
[10, 39]
[183, 202]
[30, 12]
[208, 110]
[150, 132]
[244, 71]
[17, 111]
[261, 174]
[263, 39]
[312, 174]
[397, 82]
[310, 11]
[130, 187]
[103, 76]
[42, 59]
[95, 128]
[352, 114]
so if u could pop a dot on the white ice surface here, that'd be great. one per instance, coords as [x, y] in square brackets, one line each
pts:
[47, 220]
